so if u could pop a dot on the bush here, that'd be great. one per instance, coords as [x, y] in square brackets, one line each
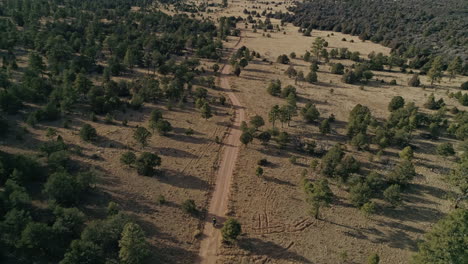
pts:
[141, 135]
[283, 59]
[231, 230]
[402, 174]
[397, 102]
[464, 86]
[259, 171]
[445, 150]
[310, 113]
[274, 88]
[360, 194]
[262, 162]
[189, 207]
[133, 246]
[88, 133]
[414, 81]
[393, 194]
[311, 77]
[163, 127]
[63, 188]
[146, 163]
[128, 158]
[337, 68]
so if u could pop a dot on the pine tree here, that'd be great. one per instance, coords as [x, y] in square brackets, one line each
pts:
[206, 111]
[133, 246]
[435, 73]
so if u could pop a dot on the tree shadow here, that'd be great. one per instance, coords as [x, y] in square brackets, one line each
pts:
[278, 181]
[270, 249]
[177, 153]
[182, 180]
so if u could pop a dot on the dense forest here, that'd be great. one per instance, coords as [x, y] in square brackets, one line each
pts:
[415, 29]
[73, 49]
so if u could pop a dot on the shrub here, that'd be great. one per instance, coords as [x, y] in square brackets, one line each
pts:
[262, 162]
[141, 135]
[231, 230]
[393, 194]
[402, 173]
[189, 207]
[397, 102]
[146, 163]
[414, 81]
[445, 150]
[464, 86]
[259, 171]
[337, 68]
[88, 133]
[133, 246]
[128, 158]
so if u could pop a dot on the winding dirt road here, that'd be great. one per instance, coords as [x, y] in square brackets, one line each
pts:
[211, 237]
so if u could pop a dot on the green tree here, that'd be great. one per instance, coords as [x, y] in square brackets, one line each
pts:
[141, 135]
[35, 239]
[311, 77]
[88, 133]
[319, 195]
[231, 230]
[407, 153]
[237, 70]
[458, 178]
[259, 171]
[360, 194]
[393, 194]
[155, 116]
[435, 73]
[403, 173]
[373, 259]
[274, 88]
[63, 188]
[257, 121]
[264, 137]
[359, 120]
[446, 242]
[246, 137]
[190, 207]
[128, 158]
[414, 81]
[368, 209]
[163, 127]
[273, 115]
[130, 58]
[396, 103]
[325, 127]
[146, 163]
[310, 113]
[83, 252]
[206, 111]
[317, 46]
[337, 68]
[455, 67]
[445, 150]
[133, 246]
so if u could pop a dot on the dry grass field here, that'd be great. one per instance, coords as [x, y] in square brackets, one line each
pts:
[276, 225]
[187, 170]
[272, 210]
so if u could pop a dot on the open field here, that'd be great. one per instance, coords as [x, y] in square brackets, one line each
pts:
[277, 226]
[272, 210]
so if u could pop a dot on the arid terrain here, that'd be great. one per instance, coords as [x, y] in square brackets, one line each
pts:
[276, 224]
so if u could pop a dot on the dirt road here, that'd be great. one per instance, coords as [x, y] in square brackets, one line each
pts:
[219, 201]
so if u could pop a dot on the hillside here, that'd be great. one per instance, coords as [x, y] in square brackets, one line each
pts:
[136, 131]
